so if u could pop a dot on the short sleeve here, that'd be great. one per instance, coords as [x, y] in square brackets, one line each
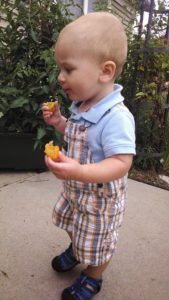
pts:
[118, 134]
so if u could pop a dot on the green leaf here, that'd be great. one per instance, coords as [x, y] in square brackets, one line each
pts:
[152, 85]
[35, 105]
[9, 91]
[140, 94]
[36, 144]
[34, 36]
[165, 65]
[141, 68]
[52, 77]
[41, 132]
[19, 102]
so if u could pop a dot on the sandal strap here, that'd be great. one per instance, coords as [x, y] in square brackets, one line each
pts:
[84, 288]
[65, 261]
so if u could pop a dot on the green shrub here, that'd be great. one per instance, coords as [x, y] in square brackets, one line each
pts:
[28, 73]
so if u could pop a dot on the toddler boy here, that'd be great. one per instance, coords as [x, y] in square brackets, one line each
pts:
[99, 144]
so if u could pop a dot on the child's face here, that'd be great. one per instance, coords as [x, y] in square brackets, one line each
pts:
[79, 73]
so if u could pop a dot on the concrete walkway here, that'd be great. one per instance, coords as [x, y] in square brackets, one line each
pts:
[29, 240]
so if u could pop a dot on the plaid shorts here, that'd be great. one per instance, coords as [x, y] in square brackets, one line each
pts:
[93, 220]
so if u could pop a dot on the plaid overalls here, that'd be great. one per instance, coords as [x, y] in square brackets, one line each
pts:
[92, 212]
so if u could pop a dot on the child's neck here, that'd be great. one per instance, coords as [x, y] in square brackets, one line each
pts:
[88, 104]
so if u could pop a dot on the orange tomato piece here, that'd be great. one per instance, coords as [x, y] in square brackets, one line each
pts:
[52, 151]
[51, 106]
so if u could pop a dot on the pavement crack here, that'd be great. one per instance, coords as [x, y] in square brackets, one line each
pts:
[39, 180]
[16, 181]
[29, 179]
[4, 274]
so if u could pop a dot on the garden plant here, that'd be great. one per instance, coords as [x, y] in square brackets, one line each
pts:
[146, 80]
[28, 72]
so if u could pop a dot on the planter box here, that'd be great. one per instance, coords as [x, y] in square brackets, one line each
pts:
[17, 152]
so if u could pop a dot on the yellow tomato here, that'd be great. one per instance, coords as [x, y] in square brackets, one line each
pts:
[51, 106]
[52, 151]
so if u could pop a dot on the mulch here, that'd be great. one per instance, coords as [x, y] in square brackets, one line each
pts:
[149, 177]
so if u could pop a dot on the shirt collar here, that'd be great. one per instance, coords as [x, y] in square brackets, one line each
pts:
[98, 110]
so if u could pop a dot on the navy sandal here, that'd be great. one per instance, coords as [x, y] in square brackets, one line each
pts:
[84, 288]
[65, 261]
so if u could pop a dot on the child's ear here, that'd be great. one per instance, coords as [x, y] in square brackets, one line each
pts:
[108, 70]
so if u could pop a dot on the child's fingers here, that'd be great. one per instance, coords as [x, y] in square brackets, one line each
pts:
[44, 106]
[47, 114]
[52, 166]
[48, 162]
[45, 110]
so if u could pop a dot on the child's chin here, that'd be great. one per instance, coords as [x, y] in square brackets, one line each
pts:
[73, 98]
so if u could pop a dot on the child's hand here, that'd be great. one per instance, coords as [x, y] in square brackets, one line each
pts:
[51, 118]
[65, 168]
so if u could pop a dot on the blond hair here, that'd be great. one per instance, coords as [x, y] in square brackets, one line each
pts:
[101, 34]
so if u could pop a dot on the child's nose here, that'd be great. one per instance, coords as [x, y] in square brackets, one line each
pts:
[61, 77]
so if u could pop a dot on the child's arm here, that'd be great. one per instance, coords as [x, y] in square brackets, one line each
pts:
[108, 169]
[54, 118]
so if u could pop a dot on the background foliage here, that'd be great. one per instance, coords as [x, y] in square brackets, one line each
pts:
[27, 68]
[146, 83]
[28, 72]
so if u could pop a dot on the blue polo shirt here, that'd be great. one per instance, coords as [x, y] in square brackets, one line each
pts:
[111, 128]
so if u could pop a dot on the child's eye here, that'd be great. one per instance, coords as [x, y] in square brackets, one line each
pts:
[69, 70]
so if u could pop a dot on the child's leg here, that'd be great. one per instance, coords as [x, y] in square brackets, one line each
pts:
[96, 272]
[91, 271]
